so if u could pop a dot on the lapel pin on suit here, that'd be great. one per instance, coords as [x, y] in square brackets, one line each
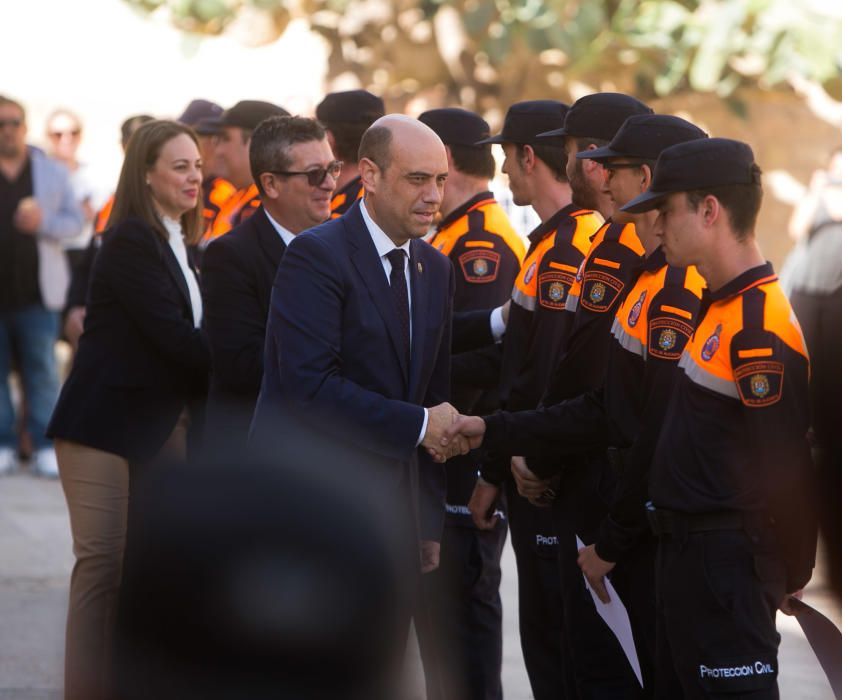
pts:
[420, 267]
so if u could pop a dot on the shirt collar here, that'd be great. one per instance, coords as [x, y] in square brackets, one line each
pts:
[285, 233]
[540, 232]
[750, 278]
[463, 209]
[381, 241]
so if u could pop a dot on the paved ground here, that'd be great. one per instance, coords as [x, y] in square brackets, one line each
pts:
[35, 562]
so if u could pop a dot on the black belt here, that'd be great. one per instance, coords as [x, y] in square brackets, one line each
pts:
[670, 522]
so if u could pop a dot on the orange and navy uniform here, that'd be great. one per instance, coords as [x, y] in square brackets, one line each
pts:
[216, 192]
[486, 253]
[650, 332]
[538, 324]
[236, 209]
[600, 286]
[485, 250]
[578, 364]
[734, 437]
[344, 199]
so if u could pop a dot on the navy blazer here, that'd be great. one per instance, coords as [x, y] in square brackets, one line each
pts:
[238, 270]
[140, 359]
[334, 361]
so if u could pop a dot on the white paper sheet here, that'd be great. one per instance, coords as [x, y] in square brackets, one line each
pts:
[617, 618]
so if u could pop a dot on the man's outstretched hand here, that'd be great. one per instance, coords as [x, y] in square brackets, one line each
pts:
[440, 419]
[465, 433]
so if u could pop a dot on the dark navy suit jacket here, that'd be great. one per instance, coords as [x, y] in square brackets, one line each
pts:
[238, 271]
[334, 366]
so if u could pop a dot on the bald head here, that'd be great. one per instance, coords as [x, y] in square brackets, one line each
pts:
[403, 166]
[376, 144]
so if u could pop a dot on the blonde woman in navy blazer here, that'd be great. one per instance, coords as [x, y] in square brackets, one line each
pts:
[140, 372]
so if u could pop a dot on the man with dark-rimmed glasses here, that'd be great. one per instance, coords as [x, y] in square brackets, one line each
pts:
[295, 173]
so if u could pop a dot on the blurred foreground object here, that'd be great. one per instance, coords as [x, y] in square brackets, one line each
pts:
[260, 578]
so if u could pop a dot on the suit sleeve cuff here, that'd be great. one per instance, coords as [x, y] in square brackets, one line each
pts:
[423, 428]
[498, 326]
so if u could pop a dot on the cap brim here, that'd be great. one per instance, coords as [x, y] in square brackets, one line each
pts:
[491, 139]
[648, 201]
[599, 154]
[554, 133]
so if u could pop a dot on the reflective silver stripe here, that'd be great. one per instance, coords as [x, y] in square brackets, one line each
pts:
[627, 341]
[523, 300]
[572, 303]
[699, 375]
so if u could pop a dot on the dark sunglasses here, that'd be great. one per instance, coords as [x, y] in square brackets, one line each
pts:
[314, 177]
[58, 134]
[14, 123]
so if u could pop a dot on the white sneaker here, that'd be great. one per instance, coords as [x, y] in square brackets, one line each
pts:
[8, 460]
[44, 463]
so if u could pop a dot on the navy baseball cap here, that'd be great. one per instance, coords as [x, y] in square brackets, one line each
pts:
[247, 114]
[203, 116]
[695, 165]
[644, 136]
[598, 116]
[525, 120]
[350, 107]
[456, 127]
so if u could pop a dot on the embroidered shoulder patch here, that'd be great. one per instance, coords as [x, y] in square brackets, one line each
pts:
[480, 266]
[668, 337]
[553, 287]
[760, 383]
[599, 290]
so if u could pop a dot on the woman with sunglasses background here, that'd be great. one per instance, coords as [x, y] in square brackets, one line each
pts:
[138, 380]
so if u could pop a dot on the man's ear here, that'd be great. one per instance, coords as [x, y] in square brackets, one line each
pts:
[370, 174]
[527, 159]
[647, 176]
[711, 210]
[269, 183]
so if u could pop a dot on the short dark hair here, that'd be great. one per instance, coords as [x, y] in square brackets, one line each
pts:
[14, 103]
[346, 139]
[272, 139]
[476, 161]
[552, 155]
[741, 202]
[376, 145]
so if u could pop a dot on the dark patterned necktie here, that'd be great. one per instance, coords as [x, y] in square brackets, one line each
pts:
[397, 280]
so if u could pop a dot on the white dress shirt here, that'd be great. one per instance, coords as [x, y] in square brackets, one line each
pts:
[385, 245]
[176, 238]
[285, 234]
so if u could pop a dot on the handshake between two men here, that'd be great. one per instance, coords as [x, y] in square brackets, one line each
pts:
[449, 434]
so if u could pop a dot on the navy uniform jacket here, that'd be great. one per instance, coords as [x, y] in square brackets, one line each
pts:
[334, 365]
[238, 271]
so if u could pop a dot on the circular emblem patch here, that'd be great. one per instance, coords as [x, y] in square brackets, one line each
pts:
[480, 267]
[597, 292]
[760, 385]
[667, 339]
[711, 344]
[556, 291]
[530, 273]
